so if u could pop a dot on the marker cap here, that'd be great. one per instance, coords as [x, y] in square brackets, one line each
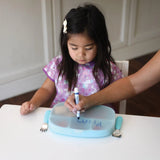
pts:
[76, 90]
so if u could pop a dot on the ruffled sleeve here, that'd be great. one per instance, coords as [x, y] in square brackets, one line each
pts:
[51, 69]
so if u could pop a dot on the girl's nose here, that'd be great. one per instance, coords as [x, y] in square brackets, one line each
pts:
[82, 52]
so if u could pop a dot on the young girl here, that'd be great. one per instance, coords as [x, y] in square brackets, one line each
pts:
[85, 62]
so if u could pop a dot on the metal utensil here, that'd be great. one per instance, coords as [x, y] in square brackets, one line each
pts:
[44, 126]
[118, 126]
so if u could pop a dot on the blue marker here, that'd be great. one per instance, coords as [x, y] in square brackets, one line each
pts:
[76, 95]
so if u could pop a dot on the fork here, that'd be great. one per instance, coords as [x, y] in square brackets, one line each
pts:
[44, 126]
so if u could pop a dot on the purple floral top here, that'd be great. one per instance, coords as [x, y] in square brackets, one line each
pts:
[86, 82]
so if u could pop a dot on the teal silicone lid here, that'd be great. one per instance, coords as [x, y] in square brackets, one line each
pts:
[98, 121]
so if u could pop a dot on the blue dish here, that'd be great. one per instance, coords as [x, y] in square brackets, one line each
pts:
[99, 121]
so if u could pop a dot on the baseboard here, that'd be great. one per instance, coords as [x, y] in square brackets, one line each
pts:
[20, 86]
[136, 50]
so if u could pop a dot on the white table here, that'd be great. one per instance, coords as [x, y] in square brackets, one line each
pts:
[21, 139]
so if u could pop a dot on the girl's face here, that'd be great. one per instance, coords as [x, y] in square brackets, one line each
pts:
[81, 48]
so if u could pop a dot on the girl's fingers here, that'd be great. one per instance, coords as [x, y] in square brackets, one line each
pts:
[81, 106]
[32, 107]
[24, 108]
[27, 108]
[69, 103]
[74, 110]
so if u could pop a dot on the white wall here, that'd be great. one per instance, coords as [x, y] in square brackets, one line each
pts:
[133, 25]
[29, 36]
[25, 45]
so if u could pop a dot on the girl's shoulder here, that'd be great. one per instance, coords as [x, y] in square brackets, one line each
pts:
[51, 68]
[52, 65]
[56, 60]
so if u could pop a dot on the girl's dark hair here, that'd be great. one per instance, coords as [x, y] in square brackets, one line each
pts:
[89, 19]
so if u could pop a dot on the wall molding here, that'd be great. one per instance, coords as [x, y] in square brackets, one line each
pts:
[22, 85]
[21, 74]
[47, 25]
[133, 36]
[31, 78]
[57, 24]
[137, 50]
[122, 41]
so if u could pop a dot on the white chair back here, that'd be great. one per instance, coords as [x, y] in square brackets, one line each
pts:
[124, 67]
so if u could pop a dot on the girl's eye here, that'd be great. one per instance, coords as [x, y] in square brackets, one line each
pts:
[89, 48]
[74, 48]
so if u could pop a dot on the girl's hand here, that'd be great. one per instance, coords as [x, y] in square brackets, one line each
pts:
[81, 106]
[27, 107]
